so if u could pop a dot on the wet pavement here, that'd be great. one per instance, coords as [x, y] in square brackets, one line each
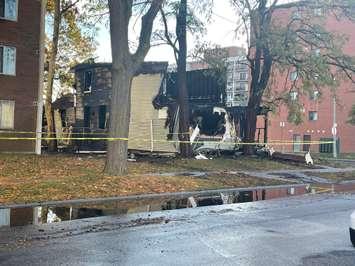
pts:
[301, 175]
[303, 230]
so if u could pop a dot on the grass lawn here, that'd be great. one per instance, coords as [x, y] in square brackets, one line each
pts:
[30, 178]
[344, 176]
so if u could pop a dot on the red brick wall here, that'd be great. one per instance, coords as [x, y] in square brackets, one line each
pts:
[278, 193]
[22, 88]
[324, 106]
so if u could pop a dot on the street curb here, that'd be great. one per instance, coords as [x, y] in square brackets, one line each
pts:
[174, 195]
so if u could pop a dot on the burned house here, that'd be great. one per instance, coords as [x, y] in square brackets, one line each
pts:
[87, 111]
[205, 91]
[154, 108]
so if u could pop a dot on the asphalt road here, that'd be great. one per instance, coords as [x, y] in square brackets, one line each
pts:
[307, 230]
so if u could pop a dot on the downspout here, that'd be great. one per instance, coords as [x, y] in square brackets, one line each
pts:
[38, 149]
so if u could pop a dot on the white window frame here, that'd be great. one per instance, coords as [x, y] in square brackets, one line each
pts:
[3, 61]
[294, 95]
[294, 75]
[13, 115]
[9, 18]
[243, 76]
[315, 95]
[316, 117]
[318, 11]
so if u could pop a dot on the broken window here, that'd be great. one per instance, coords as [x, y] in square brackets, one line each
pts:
[210, 124]
[7, 114]
[102, 116]
[2, 8]
[87, 81]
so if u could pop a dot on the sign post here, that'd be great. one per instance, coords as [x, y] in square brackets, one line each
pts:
[334, 129]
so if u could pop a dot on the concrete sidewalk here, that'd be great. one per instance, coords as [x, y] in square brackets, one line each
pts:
[307, 230]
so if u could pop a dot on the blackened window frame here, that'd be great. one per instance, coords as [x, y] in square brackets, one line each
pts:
[1, 58]
[87, 116]
[88, 84]
[102, 116]
[2, 9]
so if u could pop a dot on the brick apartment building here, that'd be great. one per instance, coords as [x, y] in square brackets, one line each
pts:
[317, 108]
[237, 88]
[21, 61]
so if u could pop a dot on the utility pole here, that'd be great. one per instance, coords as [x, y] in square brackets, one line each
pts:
[334, 129]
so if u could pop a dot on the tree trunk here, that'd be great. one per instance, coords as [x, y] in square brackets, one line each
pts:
[52, 144]
[124, 66]
[250, 129]
[116, 163]
[183, 100]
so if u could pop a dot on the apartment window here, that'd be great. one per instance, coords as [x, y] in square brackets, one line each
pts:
[8, 9]
[314, 95]
[318, 12]
[293, 75]
[7, 114]
[313, 116]
[87, 81]
[296, 15]
[317, 51]
[7, 60]
[293, 95]
[242, 76]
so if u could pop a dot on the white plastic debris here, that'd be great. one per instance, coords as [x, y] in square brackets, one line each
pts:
[195, 134]
[271, 151]
[201, 157]
[308, 158]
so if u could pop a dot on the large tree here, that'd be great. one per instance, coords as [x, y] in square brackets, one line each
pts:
[69, 40]
[300, 45]
[124, 66]
[186, 18]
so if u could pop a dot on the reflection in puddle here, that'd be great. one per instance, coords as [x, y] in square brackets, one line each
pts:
[51, 214]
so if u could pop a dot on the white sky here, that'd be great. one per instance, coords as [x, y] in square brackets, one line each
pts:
[220, 32]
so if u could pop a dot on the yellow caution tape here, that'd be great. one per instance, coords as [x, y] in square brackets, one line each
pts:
[271, 143]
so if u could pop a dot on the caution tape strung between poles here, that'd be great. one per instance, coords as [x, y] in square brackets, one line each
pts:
[274, 143]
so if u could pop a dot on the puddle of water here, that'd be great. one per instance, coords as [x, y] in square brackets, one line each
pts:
[51, 214]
